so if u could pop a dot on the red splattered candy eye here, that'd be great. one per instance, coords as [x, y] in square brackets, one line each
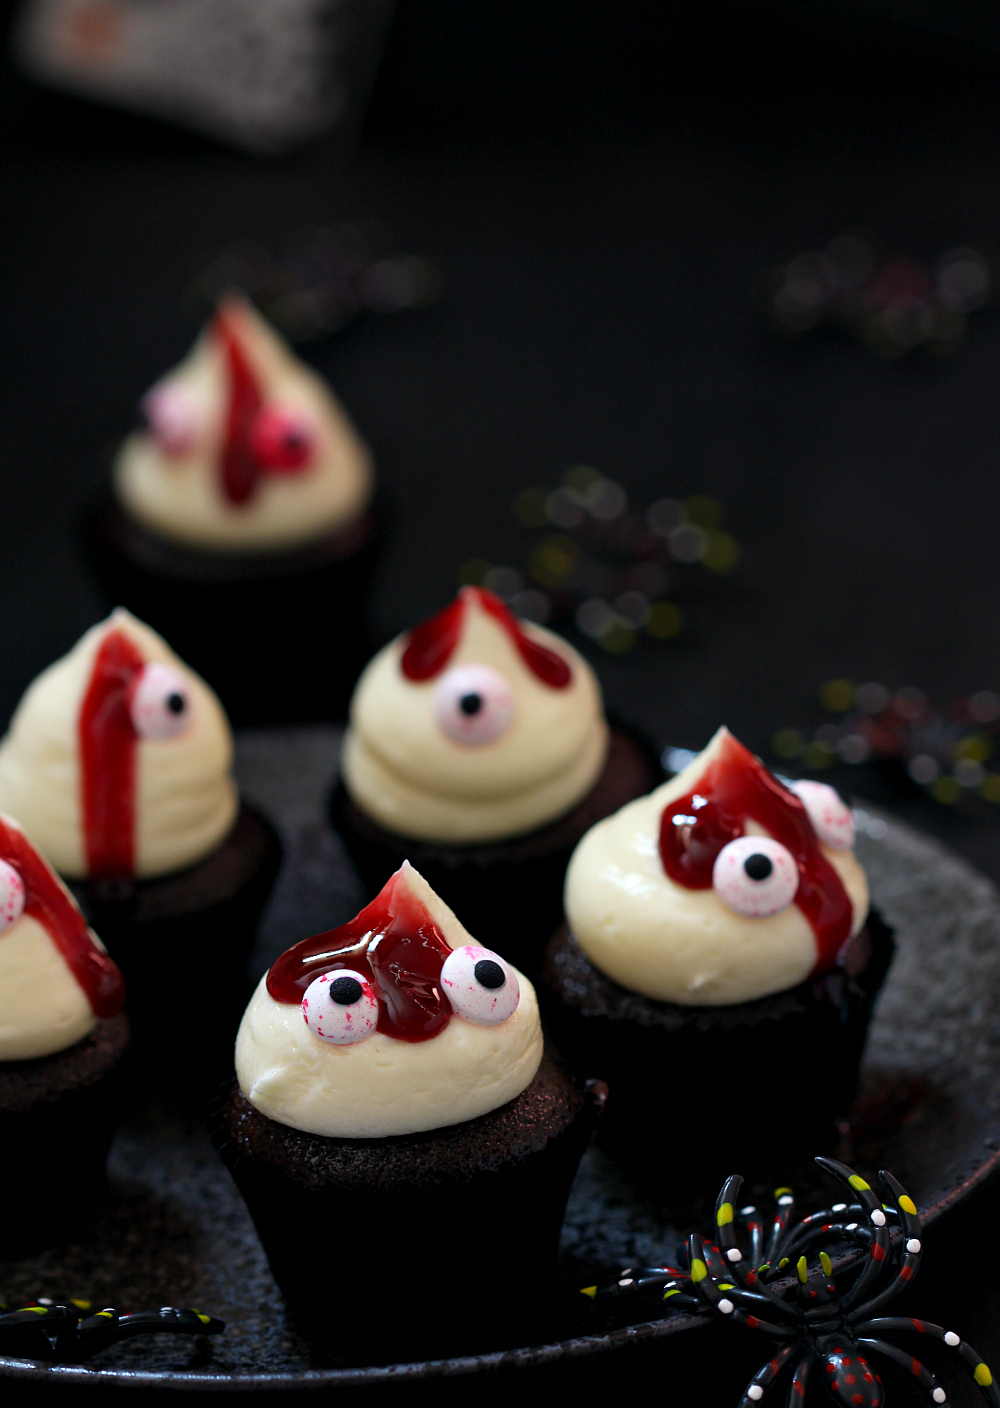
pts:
[281, 441]
[11, 896]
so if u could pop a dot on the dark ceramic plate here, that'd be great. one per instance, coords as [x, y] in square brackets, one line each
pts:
[176, 1232]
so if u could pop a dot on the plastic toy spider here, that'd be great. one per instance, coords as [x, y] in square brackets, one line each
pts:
[68, 1332]
[818, 1324]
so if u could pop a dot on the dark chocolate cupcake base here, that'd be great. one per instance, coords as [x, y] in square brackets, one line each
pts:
[439, 1241]
[182, 942]
[508, 894]
[698, 1092]
[279, 636]
[57, 1115]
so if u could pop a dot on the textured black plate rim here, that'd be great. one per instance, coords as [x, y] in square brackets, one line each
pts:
[530, 1356]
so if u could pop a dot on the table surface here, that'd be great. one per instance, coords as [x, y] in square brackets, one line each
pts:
[602, 206]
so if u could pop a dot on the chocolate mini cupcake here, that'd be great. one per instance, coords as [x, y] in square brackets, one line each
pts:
[118, 761]
[396, 1123]
[719, 967]
[242, 514]
[62, 1039]
[478, 749]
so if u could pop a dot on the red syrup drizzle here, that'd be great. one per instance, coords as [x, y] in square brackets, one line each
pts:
[396, 945]
[108, 759]
[431, 644]
[239, 466]
[735, 788]
[47, 902]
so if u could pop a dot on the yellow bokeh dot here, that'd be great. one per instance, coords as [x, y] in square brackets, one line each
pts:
[837, 696]
[974, 747]
[471, 573]
[618, 638]
[665, 620]
[553, 560]
[990, 787]
[817, 754]
[722, 552]
[704, 511]
[581, 478]
[529, 507]
[787, 743]
[945, 789]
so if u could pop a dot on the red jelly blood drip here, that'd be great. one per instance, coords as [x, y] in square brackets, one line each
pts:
[736, 788]
[240, 469]
[432, 643]
[108, 759]
[47, 902]
[395, 943]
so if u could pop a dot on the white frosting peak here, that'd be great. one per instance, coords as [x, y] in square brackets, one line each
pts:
[383, 1085]
[674, 944]
[531, 754]
[170, 480]
[43, 1009]
[185, 797]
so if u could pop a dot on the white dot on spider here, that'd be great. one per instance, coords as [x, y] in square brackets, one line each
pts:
[851, 1227]
[939, 1395]
[913, 1245]
[950, 1338]
[755, 1392]
[746, 1212]
[726, 1306]
[878, 1217]
[784, 1201]
[627, 1281]
[839, 1207]
[734, 1254]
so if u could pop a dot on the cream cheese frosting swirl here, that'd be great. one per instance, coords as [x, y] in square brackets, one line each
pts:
[373, 1084]
[55, 977]
[690, 945]
[478, 739]
[158, 797]
[246, 450]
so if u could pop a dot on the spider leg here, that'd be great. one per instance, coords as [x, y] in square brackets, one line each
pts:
[765, 1377]
[736, 1266]
[909, 1263]
[879, 1240]
[797, 1388]
[720, 1298]
[108, 1327]
[972, 1361]
[784, 1204]
[909, 1365]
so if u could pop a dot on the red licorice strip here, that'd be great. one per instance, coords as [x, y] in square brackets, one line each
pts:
[735, 788]
[431, 645]
[396, 945]
[239, 467]
[47, 902]
[108, 759]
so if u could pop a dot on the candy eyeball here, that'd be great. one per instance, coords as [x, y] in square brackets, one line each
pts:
[282, 441]
[830, 815]
[176, 418]
[340, 1007]
[480, 986]
[11, 896]
[160, 703]
[755, 875]
[473, 704]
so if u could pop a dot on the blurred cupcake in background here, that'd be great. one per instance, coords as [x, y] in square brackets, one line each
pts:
[62, 1039]
[478, 748]
[118, 762]
[241, 515]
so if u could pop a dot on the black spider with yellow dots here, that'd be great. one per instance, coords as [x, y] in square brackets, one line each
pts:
[783, 1282]
[71, 1331]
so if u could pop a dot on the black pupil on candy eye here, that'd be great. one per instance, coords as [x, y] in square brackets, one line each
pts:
[345, 991]
[489, 974]
[757, 866]
[176, 703]
[470, 704]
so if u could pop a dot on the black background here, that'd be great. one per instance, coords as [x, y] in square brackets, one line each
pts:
[603, 189]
